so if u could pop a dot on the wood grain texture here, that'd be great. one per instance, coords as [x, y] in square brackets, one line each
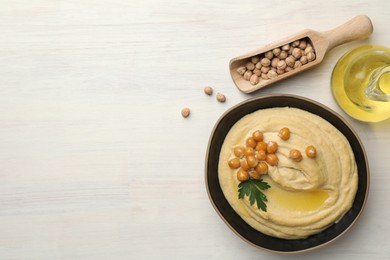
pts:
[96, 160]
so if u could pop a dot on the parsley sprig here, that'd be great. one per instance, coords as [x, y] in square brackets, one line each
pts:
[252, 188]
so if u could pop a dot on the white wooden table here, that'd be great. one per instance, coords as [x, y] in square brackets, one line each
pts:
[96, 161]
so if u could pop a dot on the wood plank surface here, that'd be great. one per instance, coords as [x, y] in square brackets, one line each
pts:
[96, 161]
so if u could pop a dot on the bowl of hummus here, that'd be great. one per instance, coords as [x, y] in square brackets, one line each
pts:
[286, 173]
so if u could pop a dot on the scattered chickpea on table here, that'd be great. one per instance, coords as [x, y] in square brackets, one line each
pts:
[208, 90]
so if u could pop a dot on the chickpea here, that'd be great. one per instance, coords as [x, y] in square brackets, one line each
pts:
[272, 147]
[249, 151]
[262, 168]
[234, 163]
[283, 55]
[252, 161]
[250, 142]
[242, 175]
[239, 151]
[247, 74]
[286, 47]
[290, 60]
[257, 136]
[297, 53]
[257, 72]
[309, 49]
[261, 146]
[302, 45]
[221, 97]
[276, 51]
[244, 165]
[265, 62]
[274, 62]
[297, 64]
[265, 69]
[272, 74]
[250, 66]
[284, 133]
[295, 43]
[272, 159]
[254, 175]
[185, 112]
[255, 59]
[208, 90]
[295, 155]
[311, 151]
[241, 70]
[311, 56]
[254, 79]
[303, 60]
[261, 155]
[269, 55]
[281, 65]
[277, 61]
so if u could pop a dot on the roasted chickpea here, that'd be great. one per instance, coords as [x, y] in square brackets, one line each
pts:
[261, 146]
[249, 151]
[311, 151]
[295, 155]
[239, 151]
[261, 155]
[234, 163]
[257, 136]
[252, 161]
[244, 165]
[272, 147]
[284, 133]
[254, 175]
[272, 159]
[262, 168]
[250, 142]
[242, 175]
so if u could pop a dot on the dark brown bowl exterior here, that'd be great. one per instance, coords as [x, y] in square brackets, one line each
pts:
[235, 222]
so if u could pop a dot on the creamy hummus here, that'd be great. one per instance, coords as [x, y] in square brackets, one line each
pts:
[305, 197]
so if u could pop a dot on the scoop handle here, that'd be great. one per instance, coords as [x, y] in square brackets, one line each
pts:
[358, 28]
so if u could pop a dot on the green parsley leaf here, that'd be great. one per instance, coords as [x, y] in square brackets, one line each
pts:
[252, 188]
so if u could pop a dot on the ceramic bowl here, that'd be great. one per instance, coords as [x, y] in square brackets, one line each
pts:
[234, 221]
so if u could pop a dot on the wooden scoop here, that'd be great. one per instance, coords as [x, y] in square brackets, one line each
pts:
[358, 28]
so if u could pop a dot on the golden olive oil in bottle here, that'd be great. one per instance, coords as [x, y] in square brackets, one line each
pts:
[361, 83]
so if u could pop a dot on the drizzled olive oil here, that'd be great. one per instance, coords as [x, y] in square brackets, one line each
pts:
[361, 83]
[296, 200]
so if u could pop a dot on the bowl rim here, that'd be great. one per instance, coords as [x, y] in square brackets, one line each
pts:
[316, 103]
